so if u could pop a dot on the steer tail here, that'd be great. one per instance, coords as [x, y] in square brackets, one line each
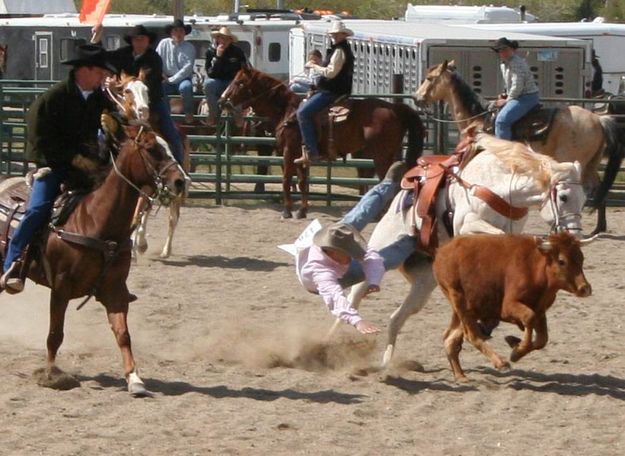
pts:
[614, 139]
[416, 132]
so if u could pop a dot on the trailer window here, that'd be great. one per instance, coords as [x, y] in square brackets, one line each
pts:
[44, 53]
[274, 52]
[112, 42]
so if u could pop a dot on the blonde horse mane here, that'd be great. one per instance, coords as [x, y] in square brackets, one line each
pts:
[521, 159]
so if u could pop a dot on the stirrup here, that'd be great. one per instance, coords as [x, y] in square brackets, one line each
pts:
[304, 160]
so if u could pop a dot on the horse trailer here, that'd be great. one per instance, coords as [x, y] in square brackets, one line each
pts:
[384, 49]
[456, 14]
[605, 38]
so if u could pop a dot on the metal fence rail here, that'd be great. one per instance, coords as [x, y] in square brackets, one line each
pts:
[222, 173]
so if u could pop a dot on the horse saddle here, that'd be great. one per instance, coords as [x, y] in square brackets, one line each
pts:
[14, 201]
[339, 110]
[533, 126]
[425, 181]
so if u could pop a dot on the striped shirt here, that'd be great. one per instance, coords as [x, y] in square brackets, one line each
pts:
[518, 78]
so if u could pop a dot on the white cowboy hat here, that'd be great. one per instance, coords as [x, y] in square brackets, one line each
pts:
[224, 31]
[339, 27]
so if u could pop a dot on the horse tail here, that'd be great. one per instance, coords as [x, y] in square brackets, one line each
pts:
[614, 139]
[411, 121]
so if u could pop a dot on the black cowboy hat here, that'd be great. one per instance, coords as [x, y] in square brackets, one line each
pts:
[503, 43]
[89, 55]
[139, 30]
[178, 23]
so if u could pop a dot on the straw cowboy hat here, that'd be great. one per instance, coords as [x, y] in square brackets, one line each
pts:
[503, 43]
[89, 55]
[139, 30]
[342, 237]
[178, 23]
[339, 27]
[224, 31]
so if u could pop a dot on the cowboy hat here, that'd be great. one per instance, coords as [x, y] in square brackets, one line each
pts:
[89, 55]
[339, 27]
[139, 30]
[342, 237]
[503, 43]
[178, 23]
[224, 31]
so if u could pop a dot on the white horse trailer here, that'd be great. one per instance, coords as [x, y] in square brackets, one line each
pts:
[387, 48]
[466, 14]
[608, 41]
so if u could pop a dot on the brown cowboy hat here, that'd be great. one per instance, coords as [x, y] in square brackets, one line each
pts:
[224, 31]
[139, 30]
[342, 237]
[503, 43]
[178, 23]
[89, 55]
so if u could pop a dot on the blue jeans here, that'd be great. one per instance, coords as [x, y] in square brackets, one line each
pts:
[213, 88]
[306, 115]
[512, 111]
[367, 210]
[300, 87]
[45, 190]
[185, 89]
[168, 128]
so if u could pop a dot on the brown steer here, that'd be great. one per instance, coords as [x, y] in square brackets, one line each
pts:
[513, 278]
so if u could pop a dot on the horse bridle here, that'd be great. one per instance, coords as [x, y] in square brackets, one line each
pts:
[559, 218]
[253, 97]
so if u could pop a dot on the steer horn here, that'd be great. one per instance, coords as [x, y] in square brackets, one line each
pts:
[589, 240]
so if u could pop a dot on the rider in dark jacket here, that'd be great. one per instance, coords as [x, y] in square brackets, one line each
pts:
[222, 64]
[335, 81]
[139, 55]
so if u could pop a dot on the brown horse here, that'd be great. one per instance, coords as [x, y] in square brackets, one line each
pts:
[89, 254]
[4, 55]
[374, 129]
[576, 134]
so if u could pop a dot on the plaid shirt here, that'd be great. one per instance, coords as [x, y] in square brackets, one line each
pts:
[518, 78]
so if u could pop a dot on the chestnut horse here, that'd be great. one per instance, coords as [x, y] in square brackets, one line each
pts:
[374, 129]
[89, 254]
[576, 134]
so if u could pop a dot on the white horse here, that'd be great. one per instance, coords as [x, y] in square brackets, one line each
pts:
[511, 170]
[135, 105]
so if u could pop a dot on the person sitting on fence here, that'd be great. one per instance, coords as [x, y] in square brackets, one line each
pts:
[339, 257]
[223, 62]
[139, 55]
[62, 123]
[307, 80]
[178, 58]
[335, 81]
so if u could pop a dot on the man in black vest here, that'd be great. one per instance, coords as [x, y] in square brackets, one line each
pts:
[335, 81]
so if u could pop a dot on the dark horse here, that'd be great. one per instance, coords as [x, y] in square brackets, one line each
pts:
[374, 129]
[89, 254]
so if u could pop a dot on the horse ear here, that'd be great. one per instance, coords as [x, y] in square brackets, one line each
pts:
[143, 74]
[451, 66]
[444, 66]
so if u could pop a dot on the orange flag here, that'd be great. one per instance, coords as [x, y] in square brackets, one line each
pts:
[93, 11]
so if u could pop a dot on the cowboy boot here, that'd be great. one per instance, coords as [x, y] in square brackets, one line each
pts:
[11, 280]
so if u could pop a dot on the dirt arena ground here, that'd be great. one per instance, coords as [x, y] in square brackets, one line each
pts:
[232, 348]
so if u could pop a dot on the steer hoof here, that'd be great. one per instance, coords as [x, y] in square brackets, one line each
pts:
[502, 365]
[512, 341]
[286, 214]
[301, 213]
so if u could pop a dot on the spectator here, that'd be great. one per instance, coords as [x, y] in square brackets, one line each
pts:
[178, 58]
[597, 77]
[308, 79]
[139, 55]
[223, 62]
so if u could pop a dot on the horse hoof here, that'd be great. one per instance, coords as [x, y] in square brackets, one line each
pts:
[512, 341]
[142, 248]
[301, 213]
[55, 378]
[286, 214]
[136, 387]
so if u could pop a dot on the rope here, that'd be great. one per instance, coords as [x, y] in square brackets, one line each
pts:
[436, 119]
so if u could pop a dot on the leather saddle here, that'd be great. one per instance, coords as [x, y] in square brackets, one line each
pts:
[533, 126]
[425, 181]
[14, 201]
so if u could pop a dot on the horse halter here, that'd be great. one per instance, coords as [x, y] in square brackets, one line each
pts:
[559, 220]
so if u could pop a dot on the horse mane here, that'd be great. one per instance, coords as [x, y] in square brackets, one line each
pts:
[468, 97]
[278, 92]
[522, 160]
